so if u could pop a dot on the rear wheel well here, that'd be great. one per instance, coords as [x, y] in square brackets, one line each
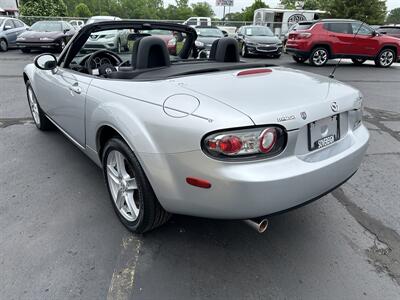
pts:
[104, 134]
[327, 47]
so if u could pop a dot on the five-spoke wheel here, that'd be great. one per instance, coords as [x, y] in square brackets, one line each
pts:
[131, 193]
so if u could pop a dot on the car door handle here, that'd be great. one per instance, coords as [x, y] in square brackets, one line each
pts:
[75, 88]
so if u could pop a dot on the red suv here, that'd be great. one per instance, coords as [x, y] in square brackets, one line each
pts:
[333, 38]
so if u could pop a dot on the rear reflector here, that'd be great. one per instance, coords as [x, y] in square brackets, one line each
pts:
[198, 182]
[253, 72]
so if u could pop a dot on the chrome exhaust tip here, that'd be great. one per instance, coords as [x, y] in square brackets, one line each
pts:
[260, 225]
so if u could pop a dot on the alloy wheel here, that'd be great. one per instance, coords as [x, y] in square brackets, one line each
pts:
[123, 186]
[320, 57]
[386, 58]
[34, 106]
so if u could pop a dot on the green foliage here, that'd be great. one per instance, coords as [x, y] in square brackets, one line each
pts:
[394, 16]
[82, 10]
[43, 8]
[202, 9]
[371, 11]
[308, 4]
[248, 12]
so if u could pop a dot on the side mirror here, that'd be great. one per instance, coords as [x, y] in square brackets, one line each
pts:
[7, 27]
[66, 30]
[375, 33]
[225, 33]
[46, 61]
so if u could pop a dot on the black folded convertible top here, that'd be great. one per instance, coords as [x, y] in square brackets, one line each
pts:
[179, 69]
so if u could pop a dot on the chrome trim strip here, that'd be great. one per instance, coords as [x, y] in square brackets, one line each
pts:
[66, 134]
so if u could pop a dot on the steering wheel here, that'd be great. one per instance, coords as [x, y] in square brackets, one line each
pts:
[102, 62]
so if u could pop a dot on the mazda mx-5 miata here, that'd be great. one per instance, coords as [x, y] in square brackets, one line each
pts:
[215, 138]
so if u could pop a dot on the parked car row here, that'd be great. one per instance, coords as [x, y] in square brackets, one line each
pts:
[322, 40]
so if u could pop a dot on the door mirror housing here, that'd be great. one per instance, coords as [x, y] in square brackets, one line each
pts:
[46, 61]
[374, 33]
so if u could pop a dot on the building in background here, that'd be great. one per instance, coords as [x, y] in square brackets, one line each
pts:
[9, 7]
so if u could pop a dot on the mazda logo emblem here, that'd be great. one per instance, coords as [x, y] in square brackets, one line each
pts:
[334, 107]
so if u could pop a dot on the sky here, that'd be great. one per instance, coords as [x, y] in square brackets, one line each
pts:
[239, 4]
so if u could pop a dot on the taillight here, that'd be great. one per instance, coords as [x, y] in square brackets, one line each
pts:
[303, 35]
[257, 142]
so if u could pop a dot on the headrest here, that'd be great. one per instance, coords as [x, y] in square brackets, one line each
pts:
[225, 49]
[150, 52]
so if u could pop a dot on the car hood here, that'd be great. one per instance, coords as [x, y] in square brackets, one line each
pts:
[263, 39]
[280, 96]
[34, 35]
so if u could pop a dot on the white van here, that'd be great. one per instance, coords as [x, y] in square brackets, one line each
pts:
[280, 20]
[198, 21]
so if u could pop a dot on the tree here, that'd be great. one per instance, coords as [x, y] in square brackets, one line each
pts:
[202, 9]
[394, 16]
[369, 11]
[308, 4]
[43, 8]
[82, 10]
[248, 12]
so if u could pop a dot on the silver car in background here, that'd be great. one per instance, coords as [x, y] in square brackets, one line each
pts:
[216, 138]
[10, 28]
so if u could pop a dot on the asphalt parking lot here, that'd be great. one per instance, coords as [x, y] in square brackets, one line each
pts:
[60, 238]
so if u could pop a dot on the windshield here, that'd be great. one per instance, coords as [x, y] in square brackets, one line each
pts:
[44, 26]
[209, 32]
[259, 31]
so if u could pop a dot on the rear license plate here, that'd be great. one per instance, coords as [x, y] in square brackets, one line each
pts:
[323, 132]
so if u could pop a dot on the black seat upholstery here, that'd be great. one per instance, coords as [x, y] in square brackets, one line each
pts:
[225, 50]
[150, 52]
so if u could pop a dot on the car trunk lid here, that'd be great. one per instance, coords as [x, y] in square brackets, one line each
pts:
[277, 96]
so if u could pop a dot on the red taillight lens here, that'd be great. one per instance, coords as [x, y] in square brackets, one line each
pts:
[252, 142]
[303, 35]
[267, 140]
[230, 144]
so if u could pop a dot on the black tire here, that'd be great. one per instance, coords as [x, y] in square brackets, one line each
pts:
[319, 57]
[298, 59]
[3, 45]
[358, 61]
[25, 50]
[244, 52]
[151, 213]
[382, 62]
[41, 122]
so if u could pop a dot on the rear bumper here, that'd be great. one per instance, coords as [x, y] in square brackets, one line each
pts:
[252, 189]
[297, 52]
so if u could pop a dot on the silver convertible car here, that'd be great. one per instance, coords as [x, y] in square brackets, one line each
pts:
[215, 138]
